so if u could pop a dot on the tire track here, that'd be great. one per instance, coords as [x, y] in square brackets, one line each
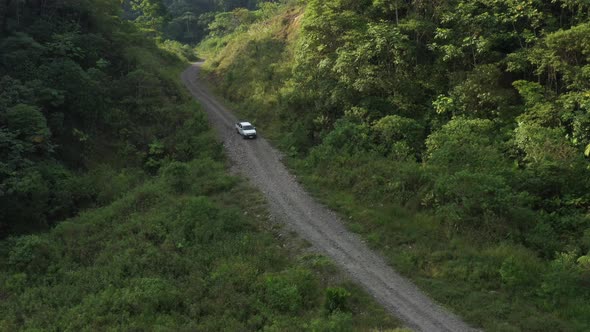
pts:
[289, 203]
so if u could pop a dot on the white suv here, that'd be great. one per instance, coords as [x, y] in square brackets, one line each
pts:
[246, 129]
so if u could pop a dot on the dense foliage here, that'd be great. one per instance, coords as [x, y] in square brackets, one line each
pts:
[116, 211]
[176, 253]
[472, 115]
[82, 92]
[186, 21]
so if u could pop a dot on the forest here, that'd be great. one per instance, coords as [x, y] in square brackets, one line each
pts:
[185, 21]
[453, 135]
[117, 210]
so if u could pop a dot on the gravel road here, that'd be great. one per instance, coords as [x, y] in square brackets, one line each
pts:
[289, 203]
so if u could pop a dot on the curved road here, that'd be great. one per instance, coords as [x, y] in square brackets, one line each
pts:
[289, 203]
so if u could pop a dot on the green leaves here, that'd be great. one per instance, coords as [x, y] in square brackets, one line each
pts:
[31, 254]
[152, 15]
[393, 130]
[372, 61]
[336, 299]
[28, 122]
[64, 45]
[542, 144]
[465, 144]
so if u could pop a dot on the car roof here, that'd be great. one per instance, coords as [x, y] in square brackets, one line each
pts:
[243, 123]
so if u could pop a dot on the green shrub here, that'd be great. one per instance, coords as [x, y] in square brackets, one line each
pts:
[520, 271]
[31, 254]
[562, 280]
[393, 129]
[282, 295]
[29, 122]
[182, 51]
[105, 183]
[475, 199]
[336, 299]
[337, 321]
[543, 238]
[176, 174]
[466, 144]
[15, 283]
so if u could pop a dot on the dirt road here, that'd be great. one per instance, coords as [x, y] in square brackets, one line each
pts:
[289, 203]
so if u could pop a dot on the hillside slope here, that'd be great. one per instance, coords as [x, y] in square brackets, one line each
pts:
[453, 136]
[116, 208]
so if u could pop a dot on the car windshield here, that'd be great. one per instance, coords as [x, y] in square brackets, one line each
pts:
[247, 127]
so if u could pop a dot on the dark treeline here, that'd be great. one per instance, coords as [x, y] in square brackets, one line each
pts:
[186, 21]
[78, 87]
[473, 112]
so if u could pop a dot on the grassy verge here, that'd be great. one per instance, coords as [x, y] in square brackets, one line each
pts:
[456, 271]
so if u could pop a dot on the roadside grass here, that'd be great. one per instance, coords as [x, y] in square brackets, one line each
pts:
[463, 273]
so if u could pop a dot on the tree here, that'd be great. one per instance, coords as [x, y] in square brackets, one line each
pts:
[466, 144]
[28, 122]
[393, 130]
[153, 15]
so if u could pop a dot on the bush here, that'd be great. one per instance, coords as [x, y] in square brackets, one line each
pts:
[31, 254]
[466, 144]
[336, 299]
[282, 295]
[542, 238]
[348, 137]
[393, 129]
[29, 122]
[585, 241]
[336, 322]
[176, 174]
[520, 271]
[105, 183]
[562, 279]
[182, 51]
[475, 199]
